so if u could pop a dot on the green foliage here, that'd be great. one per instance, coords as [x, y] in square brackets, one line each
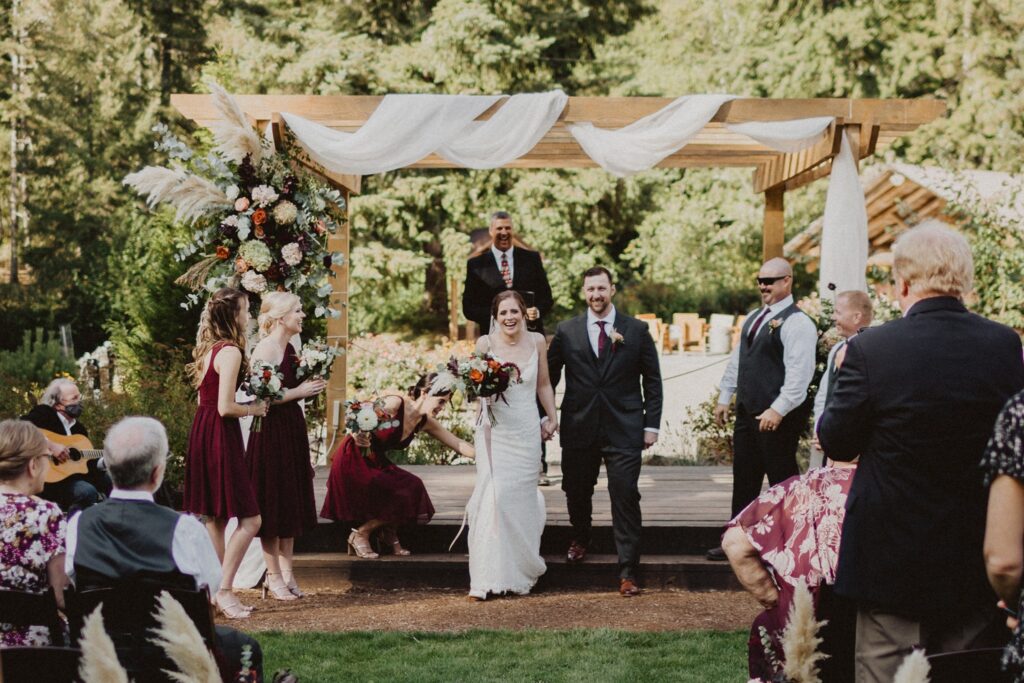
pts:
[37, 360]
[712, 441]
[504, 656]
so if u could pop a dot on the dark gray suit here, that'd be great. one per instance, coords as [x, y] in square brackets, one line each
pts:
[608, 403]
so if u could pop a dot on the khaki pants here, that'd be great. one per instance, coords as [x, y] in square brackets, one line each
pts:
[884, 639]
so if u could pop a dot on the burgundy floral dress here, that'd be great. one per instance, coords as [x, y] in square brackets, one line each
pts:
[32, 532]
[361, 488]
[795, 526]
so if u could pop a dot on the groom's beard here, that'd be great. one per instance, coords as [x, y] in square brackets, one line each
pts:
[599, 308]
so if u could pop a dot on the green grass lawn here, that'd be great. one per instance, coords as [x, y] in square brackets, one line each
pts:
[548, 656]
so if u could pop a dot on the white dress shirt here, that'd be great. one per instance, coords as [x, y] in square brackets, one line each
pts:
[821, 397]
[191, 549]
[68, 423]
[799, 339]
[511, 260]
[594, 331]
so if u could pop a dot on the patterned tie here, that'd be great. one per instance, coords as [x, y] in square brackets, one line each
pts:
[602, 338]
[506, 274]
[756, 326]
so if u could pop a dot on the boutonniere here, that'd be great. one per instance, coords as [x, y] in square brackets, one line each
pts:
[774, 324]
[617, 338]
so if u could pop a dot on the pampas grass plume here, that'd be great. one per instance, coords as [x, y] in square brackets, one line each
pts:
[235, 137]
[99, 658]
[191, 195]
[914, 669]
[178, 637]
[800, 639]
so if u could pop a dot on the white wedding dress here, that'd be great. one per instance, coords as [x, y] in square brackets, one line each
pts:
[506, 510]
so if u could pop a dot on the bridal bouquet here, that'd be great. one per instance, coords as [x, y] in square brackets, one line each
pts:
[266, 383]
[367, 417]
[480, 376]
[317, 358]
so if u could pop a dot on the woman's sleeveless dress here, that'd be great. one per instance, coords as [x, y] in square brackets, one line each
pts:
[217, 480]
[361, 488]
[506, 510]
[279, 466]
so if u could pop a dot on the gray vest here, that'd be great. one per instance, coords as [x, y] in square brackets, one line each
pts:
[127, 540]
[762, 371]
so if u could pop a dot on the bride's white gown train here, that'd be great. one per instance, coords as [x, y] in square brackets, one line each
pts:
[506, 510]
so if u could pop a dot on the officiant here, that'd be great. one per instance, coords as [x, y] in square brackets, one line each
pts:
[505, 265]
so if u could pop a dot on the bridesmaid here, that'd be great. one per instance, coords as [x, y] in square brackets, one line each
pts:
[278, 454]
[217, 483]
[373, 490]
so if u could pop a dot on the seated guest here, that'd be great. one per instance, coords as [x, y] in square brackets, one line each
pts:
[58, 411]
[32, 550]
[1003, 465]
[130, 537]
[791, 533]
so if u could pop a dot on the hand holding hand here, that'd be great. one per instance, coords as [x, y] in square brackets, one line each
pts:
[548, 428]
[770, 420]
[311, 387]
[721, 413]
[650, 438]
[532, 313]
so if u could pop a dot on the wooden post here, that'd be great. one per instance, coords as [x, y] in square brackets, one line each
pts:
[774, 232]
[453, 308]
[337, 332]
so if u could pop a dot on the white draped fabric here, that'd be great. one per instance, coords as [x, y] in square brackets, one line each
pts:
[844, 235]
[784, 136]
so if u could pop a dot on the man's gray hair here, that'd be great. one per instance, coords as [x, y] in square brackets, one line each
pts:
[51, 396]
[500, 214]
[934, 259]
[134, 447]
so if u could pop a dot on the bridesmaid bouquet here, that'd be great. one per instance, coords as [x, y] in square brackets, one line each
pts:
[266, 383]
[480, 376]
[317, 358]
[367, 417]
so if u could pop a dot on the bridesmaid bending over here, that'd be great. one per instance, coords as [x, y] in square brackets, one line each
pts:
[278, 454]
[374, 490]
[217, 483]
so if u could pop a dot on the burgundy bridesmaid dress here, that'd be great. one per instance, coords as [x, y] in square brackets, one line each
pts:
[217, 481]
[278, 459]
[361, 488]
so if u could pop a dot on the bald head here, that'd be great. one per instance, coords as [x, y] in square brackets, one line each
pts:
[775, 280]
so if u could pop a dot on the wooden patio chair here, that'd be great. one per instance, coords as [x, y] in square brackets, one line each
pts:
[968, 665]
[30, 609]
[737, 329]
[49, 664]
[694, 331]
[654, 327]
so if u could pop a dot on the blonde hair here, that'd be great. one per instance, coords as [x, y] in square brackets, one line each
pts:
[275, 306]
[217, 324]
[20, 442]
[932, 258]
[859, 301]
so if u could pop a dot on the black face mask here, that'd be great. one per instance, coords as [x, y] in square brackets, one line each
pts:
[74, 410]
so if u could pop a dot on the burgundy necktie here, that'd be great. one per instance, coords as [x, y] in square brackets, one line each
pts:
[506, 274]
[602, 338]
[756, 326]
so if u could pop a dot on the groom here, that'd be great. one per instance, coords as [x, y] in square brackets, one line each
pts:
[608, 358]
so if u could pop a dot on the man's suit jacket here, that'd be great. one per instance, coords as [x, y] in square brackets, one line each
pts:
[603, 395]
[46, 417]
[484, 282]
[917, 399]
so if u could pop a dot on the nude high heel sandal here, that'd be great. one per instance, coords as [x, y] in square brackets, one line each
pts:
[359, 547]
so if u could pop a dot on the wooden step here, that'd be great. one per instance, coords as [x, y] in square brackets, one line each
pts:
[340, 571]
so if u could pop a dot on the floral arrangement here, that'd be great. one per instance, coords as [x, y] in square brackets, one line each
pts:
[266, 383]
[259, 223]
[481, 375]
[317, 358]
[367, 417]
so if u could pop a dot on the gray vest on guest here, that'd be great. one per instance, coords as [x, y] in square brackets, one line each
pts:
[127, 540]
[762, 370]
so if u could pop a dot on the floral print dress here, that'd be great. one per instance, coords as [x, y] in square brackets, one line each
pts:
[1004, 455]
[32, 532]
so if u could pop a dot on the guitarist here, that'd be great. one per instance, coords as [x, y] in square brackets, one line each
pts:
[59, 410]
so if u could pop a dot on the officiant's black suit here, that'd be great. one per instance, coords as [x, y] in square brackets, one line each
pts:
[484, 282]
[917, 399]
[608, 403]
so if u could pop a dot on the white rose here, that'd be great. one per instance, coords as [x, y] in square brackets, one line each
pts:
[274, 383]
[232, 192]
[292, 253]
[367, 420]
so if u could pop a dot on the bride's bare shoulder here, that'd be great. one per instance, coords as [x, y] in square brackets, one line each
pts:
[483, 344]
[539, 340]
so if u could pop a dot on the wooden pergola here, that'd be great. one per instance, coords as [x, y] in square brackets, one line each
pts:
[872, 125]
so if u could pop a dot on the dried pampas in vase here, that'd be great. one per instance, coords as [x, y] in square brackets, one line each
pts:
[99, 662]
[177, 636]
[800, 639]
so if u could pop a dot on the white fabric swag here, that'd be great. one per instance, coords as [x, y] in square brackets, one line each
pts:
[406, 128]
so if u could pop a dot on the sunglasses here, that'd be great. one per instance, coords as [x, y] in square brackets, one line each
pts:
[766, 281]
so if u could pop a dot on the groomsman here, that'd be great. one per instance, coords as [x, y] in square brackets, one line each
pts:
[916, 399]
[769, 374]
[851, 314]
[505, 266]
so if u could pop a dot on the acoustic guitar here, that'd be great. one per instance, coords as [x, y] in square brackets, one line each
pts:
[81, 451]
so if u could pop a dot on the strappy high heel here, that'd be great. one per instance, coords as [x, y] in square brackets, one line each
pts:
[230, 609]
[390, 538]
[292, 586]
[360, 547]
[281, 592]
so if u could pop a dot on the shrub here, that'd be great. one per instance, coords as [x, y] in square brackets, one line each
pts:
[39, 359]
[713, 442]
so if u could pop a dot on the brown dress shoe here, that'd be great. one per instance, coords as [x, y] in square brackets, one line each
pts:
[628, 588]
[576, 554]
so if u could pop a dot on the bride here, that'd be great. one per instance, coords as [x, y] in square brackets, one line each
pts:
[506, 511]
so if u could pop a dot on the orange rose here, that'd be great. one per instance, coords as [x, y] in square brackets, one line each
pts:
[259, 216]
[476, 376]
[240, 265]
[258, 231]
[223, 253]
